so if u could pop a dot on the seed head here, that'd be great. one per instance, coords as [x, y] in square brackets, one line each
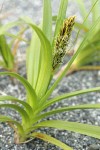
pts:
[61, 41]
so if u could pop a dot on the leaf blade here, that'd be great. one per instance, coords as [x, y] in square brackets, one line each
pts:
[52, 140]
[33, 60]
[46, 63]
[90, 130]
[61, 16]
[6, 27]
[13, 99]
[30, 91]
[6, 53]
[23, 113]
[7, 119]
[65, 109]
[68, 95]
[47, 19]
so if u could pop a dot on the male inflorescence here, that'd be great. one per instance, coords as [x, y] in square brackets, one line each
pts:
[61, 41]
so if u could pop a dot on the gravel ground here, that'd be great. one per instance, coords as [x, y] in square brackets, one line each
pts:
[76, 81]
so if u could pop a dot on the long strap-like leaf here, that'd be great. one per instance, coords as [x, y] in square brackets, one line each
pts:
[47, 19]
[33, 59]
[61, 15]
[83, 10]
[23, 113]
[52, 140]
[64, 109]
[8, 26]
[7, 119]
[6, 53]
[90, 130]
[27, 107]
[60, 18]
[68, 95]
[96, 10]
[32, 98]
[46, 63]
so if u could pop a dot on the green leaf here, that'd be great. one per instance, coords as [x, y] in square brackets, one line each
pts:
[88, 56]
[81, 26]
[50, 139]
[85, 22]
[6, 53]
[54, 18]
[68, 108]
[61, 16]
[16, 37]
[90, 52]
[90, 130]
[47, 19]
[2, 64]
[8, 26]
[71, 108]
[26, 106]
[7, 119]
[83, 10]
[32, 99]
[33, 60]
[46, 62]
[68, 95]
[95, 11]
[23, 113]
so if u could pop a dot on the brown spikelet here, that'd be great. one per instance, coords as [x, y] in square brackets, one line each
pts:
[61, 41]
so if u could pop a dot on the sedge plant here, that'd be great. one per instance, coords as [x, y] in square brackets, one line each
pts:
[5, 52]
[9, 49]
[44, 55]
[90, 53]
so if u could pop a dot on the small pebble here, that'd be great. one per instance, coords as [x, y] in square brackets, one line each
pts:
[94, 147]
